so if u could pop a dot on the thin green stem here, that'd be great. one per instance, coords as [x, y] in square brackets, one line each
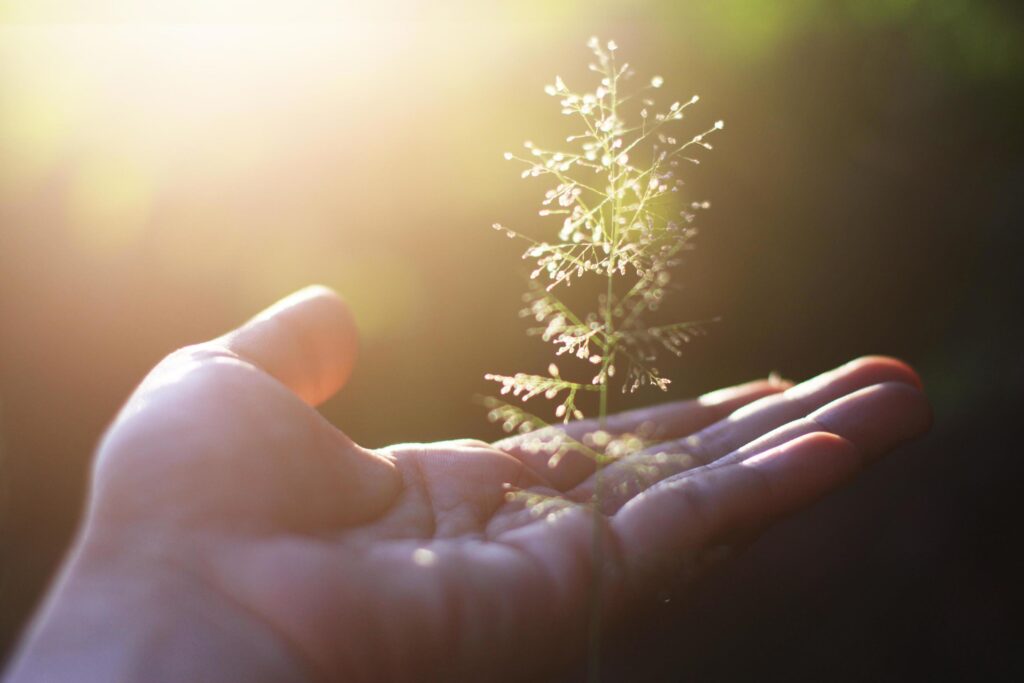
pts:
[597, 239]
[597, 538]
[597, 560]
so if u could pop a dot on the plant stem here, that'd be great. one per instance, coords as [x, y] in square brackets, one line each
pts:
[597, 562]
[597, 538]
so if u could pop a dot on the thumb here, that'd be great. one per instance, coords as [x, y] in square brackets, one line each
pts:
[201, 418]
[307, 341]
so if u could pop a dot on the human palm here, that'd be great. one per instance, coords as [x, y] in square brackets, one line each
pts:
[317, 559]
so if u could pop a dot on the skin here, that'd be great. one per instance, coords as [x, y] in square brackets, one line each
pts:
[233, 534]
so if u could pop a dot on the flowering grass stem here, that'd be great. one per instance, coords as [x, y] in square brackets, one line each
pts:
[622, 225]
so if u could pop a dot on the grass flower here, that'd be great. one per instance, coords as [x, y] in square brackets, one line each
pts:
[616, 220]
[617, 229]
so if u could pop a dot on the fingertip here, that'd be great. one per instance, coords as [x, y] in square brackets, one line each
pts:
[317, 290]
[877, 418]
[307, 340]
[885, 369]
[808, 465]
[324, 295]
[822, 442]
[336, 331]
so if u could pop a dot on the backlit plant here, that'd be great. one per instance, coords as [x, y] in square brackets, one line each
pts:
[618, 229]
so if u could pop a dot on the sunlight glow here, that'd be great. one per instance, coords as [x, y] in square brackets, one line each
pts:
[191, 11]
[108, 202]
[424, 557]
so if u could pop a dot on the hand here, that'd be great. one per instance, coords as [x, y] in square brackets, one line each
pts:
[233, 534]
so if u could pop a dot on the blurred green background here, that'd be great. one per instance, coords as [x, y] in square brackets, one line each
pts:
[160, 181]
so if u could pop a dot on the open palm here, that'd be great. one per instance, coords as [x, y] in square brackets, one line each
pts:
[299, 555]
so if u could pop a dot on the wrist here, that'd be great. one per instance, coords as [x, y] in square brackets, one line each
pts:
[126, 616]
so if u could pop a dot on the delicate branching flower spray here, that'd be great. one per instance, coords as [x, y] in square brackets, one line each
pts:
[620, 231]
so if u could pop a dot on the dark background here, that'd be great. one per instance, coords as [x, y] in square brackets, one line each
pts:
[867, 194]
